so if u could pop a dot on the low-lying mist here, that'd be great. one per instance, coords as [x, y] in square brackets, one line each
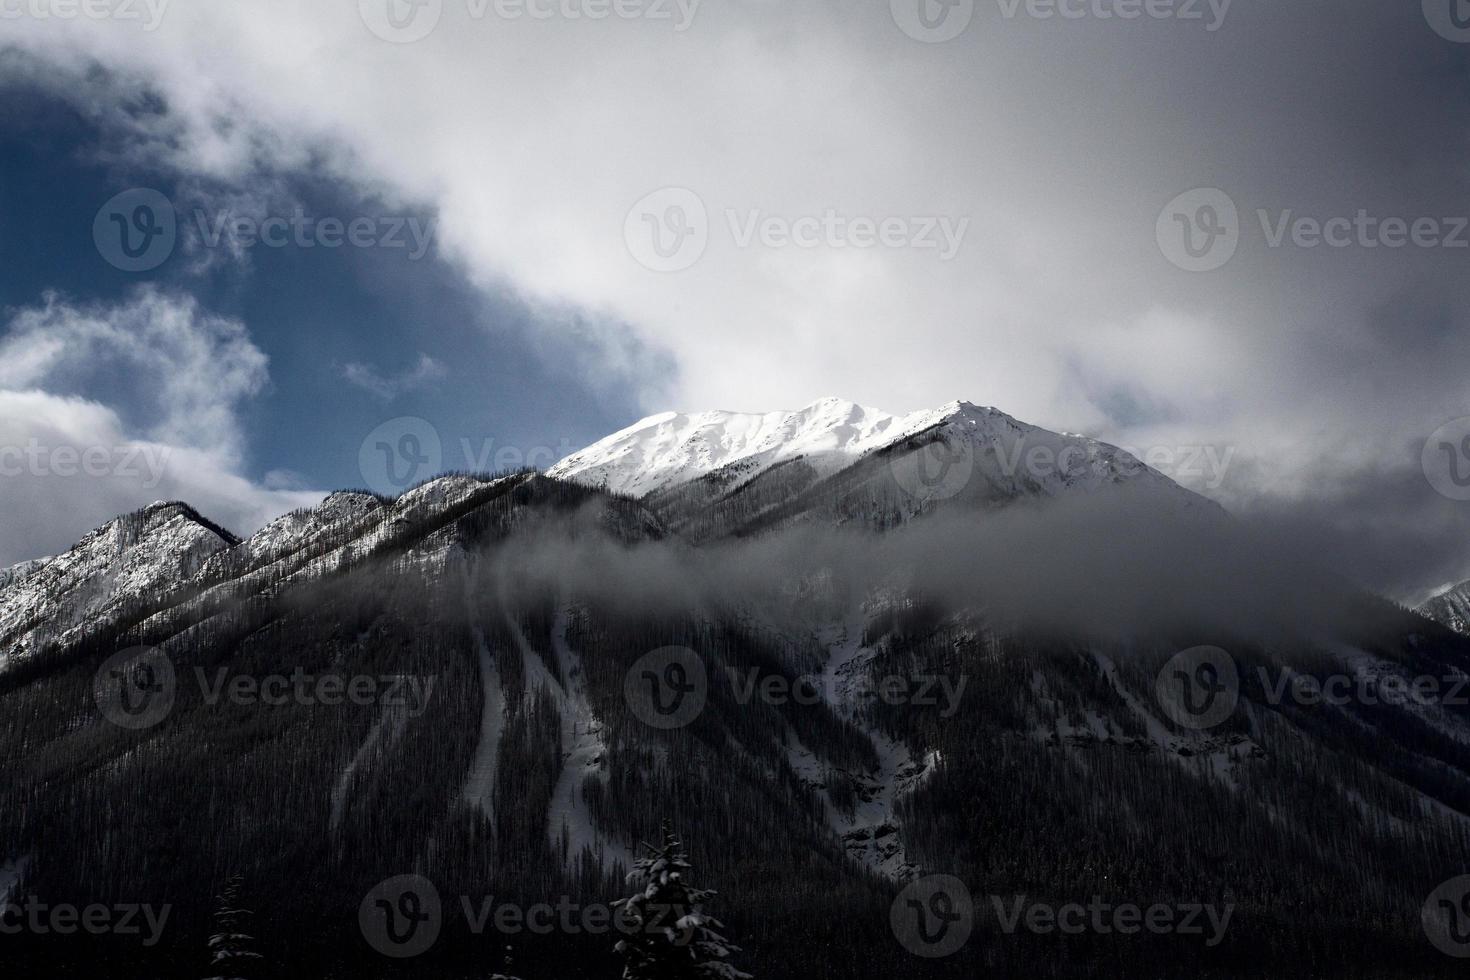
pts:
[1101, 564]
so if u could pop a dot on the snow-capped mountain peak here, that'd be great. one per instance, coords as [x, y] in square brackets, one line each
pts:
[672, 448]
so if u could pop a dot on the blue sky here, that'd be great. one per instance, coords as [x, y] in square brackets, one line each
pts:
[498, 379]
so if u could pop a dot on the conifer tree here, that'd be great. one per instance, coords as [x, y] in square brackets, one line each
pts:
[668, 935]
[232, 954]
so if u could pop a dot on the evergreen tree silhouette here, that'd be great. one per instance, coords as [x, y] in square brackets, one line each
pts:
[669, 935]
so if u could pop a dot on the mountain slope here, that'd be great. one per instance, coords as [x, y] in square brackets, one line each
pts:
[126, 561]
[671, 448]
[959, 455]
[1450, 608]
[1027, 752]
[726, 450]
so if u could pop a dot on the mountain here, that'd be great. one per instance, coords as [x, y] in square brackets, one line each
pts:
[878, 654]
[731, 449]
[717, 474]
[120, 564]
[1451, 608]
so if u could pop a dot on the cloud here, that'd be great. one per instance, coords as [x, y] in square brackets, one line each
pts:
[185, 370]
[388, 387]
[70, 462]
[1109, 563]
[1059, 141]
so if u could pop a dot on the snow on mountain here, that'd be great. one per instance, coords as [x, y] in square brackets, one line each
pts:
[142, 557]
[167, 546]
[134, 557]
[1450, 608]
[670, 449]
[15, 573]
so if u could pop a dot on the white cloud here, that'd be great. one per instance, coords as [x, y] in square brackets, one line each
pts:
[187, 370]
[69, 463]
[388, 387]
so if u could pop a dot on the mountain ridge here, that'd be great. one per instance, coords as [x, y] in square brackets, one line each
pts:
[669, 450]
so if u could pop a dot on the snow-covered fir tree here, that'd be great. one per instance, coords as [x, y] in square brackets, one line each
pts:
[232, 953]
[668, 935]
